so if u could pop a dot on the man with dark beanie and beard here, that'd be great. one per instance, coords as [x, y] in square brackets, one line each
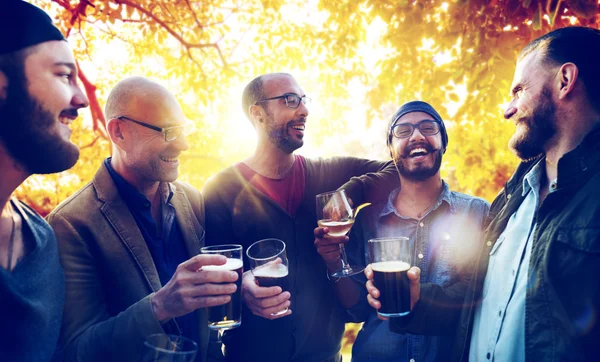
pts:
[39, 98]
[445, 227]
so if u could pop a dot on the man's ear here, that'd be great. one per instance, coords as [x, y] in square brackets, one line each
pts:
[256, 113]
[567, 78]
[3, 86]
[117, 133]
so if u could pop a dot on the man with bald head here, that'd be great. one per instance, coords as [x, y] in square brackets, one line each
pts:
[129, 240]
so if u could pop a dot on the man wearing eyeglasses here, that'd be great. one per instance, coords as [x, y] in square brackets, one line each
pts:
[272, 194]
[129, 240]
[445, 227]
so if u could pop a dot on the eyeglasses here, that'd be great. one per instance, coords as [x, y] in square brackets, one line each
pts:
[291, 100]
[170, 133]
[426, 127]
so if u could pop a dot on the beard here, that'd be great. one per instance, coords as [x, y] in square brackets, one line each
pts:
[280, 135]
[420, 172]
[28, 132]
[540, 126]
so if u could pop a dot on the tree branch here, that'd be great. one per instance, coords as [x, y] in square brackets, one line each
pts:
[95, 109]
[172, 32]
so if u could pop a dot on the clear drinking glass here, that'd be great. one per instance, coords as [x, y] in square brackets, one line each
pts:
[229, 315]
[269, 265]
[334, 212]
[169, 348]
[390, 260]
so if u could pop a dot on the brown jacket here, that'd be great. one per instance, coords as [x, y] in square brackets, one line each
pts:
[110, 275]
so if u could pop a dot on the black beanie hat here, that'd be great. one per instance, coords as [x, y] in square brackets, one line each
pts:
[418, 106]
[23, 25]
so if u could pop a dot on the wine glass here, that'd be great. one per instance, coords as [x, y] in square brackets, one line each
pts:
[269, 265]
[169, 348]
[334, 212]
[229, 315]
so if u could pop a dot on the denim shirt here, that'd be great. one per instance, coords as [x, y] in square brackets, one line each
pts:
[443, 239]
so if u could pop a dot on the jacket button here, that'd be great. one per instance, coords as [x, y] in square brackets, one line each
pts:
[489, 243]
[488, 355]
[508, 196]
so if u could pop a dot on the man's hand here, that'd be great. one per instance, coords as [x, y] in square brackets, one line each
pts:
[191, 288]
[328, 247]
[264, 302]
[373, 294]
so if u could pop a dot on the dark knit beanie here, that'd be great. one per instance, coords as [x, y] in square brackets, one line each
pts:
[418, 106]
[23, 25]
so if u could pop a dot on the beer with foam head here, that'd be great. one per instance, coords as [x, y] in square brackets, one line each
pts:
[271, 275]
[391, 280]
[391, 258]
[228, 315]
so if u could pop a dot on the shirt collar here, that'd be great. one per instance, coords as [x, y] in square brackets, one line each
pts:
[445, 196]
[532, 179]
[131, 195]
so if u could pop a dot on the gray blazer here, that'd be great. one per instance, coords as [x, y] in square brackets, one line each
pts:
[110, 275]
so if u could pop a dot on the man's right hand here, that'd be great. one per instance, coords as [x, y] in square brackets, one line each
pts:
[191, 288]
[264, 302]
[328, 247]
[373, 294]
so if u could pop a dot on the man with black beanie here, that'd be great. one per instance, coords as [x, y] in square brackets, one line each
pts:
[39, 98]
[443, 225]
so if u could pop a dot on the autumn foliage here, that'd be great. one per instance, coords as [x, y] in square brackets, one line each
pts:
[359, 59]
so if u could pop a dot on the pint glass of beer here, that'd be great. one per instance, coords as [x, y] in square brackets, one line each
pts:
[227, 316]
[269, 265]
[390, 260]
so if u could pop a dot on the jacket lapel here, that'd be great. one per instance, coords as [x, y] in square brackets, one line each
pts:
[118, 215]
[191, 230]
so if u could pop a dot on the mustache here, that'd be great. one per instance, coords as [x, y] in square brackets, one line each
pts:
[426, 146]
[70, 113]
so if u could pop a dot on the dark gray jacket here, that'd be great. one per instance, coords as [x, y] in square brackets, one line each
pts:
[562, 315]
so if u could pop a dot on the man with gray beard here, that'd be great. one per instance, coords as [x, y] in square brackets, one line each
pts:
[39, 98]
[536, 293]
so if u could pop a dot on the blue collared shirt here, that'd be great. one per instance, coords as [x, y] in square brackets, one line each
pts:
[499, 322]
[442, 238]
[167, 247]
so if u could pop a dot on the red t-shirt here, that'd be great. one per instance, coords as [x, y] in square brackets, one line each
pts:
[287, 192]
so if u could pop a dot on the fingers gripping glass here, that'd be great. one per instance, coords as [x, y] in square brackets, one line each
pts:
[334, 212]
[292, 100]
[170, 133]
[269, 264]
[427, 128]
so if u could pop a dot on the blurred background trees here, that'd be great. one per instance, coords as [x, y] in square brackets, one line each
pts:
[358, 60]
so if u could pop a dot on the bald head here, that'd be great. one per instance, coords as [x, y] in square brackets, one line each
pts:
[136, 97]
[255, 90]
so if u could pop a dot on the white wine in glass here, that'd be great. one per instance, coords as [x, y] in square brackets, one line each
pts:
[335, 213]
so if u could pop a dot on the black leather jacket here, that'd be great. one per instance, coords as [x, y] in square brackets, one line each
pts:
[562, 315]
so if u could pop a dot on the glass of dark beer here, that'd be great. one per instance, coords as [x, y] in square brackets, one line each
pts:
[390, 260]
[269, 265]
[229, 315]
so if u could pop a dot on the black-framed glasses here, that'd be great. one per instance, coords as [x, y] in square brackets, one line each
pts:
[169, 133]
[427, 127]
[292, 100]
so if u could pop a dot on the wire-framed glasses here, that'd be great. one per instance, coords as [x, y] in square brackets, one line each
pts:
[169, 133]
[292, 100]
[427, 127]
